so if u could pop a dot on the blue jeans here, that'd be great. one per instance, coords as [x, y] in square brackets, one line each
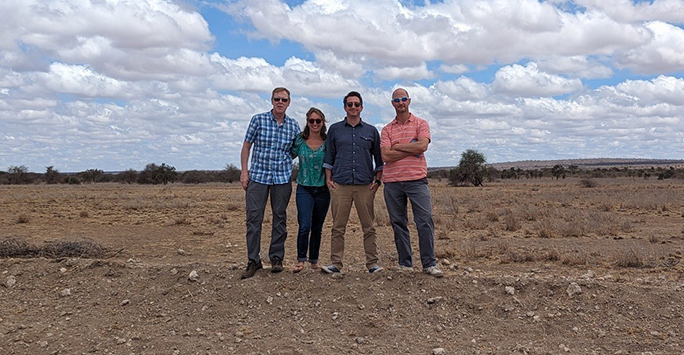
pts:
[397, 194]
[312, 206]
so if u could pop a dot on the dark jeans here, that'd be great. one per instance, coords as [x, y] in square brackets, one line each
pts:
[312, 206]
[256, 196]
[397, 194]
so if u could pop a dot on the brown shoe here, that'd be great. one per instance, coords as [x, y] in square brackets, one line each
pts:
[251, 269]
[276, 265]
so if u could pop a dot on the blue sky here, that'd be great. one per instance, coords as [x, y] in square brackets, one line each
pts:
[115, 85]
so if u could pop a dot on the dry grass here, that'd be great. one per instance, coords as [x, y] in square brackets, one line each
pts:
[531, 221]
[20, 248]
[22, 218]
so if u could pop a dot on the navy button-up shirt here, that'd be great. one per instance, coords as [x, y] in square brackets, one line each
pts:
[351, 151]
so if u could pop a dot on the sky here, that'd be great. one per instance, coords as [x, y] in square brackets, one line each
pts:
[118, 84]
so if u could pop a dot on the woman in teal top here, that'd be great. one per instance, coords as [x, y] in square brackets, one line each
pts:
[313, 197]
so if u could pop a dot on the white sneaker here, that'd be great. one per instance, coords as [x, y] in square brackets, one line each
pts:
[405, 268]
[376, 268]
[433, 271]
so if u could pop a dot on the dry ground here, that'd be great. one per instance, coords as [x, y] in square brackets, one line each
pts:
[532, 267]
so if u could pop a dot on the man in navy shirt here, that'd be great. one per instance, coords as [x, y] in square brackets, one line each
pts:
[271, 135]
[353, 168]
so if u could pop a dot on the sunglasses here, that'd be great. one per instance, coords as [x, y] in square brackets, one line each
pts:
[317, 120]
[350, 104]
[278, 99]
[403, 99]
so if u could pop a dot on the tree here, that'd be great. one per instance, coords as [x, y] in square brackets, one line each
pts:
[18, 175]
[231, 173]
[128, 177]
[470, 169]
[92, 175]
[157, 174]
[558, 171]
[51, 175]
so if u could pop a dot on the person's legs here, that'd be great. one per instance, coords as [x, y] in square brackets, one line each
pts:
[395, 199]
[364, 201]
[305, 208]
[320, 210]
[280, 198]
[340, 206]
[421, 204]
[255, 204]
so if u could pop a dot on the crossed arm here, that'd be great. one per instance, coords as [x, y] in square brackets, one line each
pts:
[401, 151]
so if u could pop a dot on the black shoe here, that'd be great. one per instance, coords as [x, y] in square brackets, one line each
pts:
[251, 269]
[276, 265]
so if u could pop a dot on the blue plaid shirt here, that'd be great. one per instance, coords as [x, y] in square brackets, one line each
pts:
[271, 143]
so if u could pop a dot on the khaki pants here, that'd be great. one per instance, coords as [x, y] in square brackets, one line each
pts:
[341, 199]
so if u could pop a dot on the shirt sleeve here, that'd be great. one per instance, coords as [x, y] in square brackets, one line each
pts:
[296, 146]
[424, 130]
[330, 149]
[252, 130]
[385, 141]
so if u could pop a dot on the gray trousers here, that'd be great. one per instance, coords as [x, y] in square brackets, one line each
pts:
[255, 198]
[397, 195]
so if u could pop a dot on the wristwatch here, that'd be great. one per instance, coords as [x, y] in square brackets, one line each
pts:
[378, 182]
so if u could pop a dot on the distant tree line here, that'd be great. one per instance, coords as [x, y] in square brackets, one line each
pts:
[471, 171]
[153, 174]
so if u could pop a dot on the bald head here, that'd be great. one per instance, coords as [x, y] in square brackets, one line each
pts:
[400, 92]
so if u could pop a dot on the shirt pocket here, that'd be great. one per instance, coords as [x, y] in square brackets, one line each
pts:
[366, 142]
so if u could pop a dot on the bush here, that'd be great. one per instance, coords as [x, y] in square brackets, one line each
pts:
[71, 180]
[157, 174]
[588, 183]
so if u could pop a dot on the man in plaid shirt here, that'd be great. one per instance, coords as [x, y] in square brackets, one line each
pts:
[271, 134]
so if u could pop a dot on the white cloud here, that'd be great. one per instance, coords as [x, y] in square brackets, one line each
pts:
[465, 32]
[255, 74]
[454, 69]
[123, 39]
[661, 90]
[579, 66]
[662, 55]
[529, 81]
[463, 89]
[80, 80]
[117, 84]
[629, 11]
[419, 72]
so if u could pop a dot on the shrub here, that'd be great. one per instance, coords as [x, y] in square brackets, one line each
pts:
[588, 183]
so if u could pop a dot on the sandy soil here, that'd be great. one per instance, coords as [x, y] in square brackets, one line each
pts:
[513, 284]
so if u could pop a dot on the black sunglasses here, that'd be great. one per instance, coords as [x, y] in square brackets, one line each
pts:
[278, 99]
[350, 104]
[317, 120]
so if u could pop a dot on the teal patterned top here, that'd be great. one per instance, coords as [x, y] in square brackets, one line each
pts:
[311, 172]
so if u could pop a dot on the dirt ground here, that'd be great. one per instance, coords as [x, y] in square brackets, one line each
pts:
[532, 267]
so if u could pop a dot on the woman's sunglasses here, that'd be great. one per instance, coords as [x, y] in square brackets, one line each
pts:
[317, 121]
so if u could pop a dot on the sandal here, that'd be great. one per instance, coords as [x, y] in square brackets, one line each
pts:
[299, 267]
[315, 266]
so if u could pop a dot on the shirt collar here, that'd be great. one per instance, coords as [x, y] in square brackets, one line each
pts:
[273, 117]
[361, 123]
[395, 121]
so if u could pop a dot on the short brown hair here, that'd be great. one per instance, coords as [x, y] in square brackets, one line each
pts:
[280, 89]
[354, 94]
